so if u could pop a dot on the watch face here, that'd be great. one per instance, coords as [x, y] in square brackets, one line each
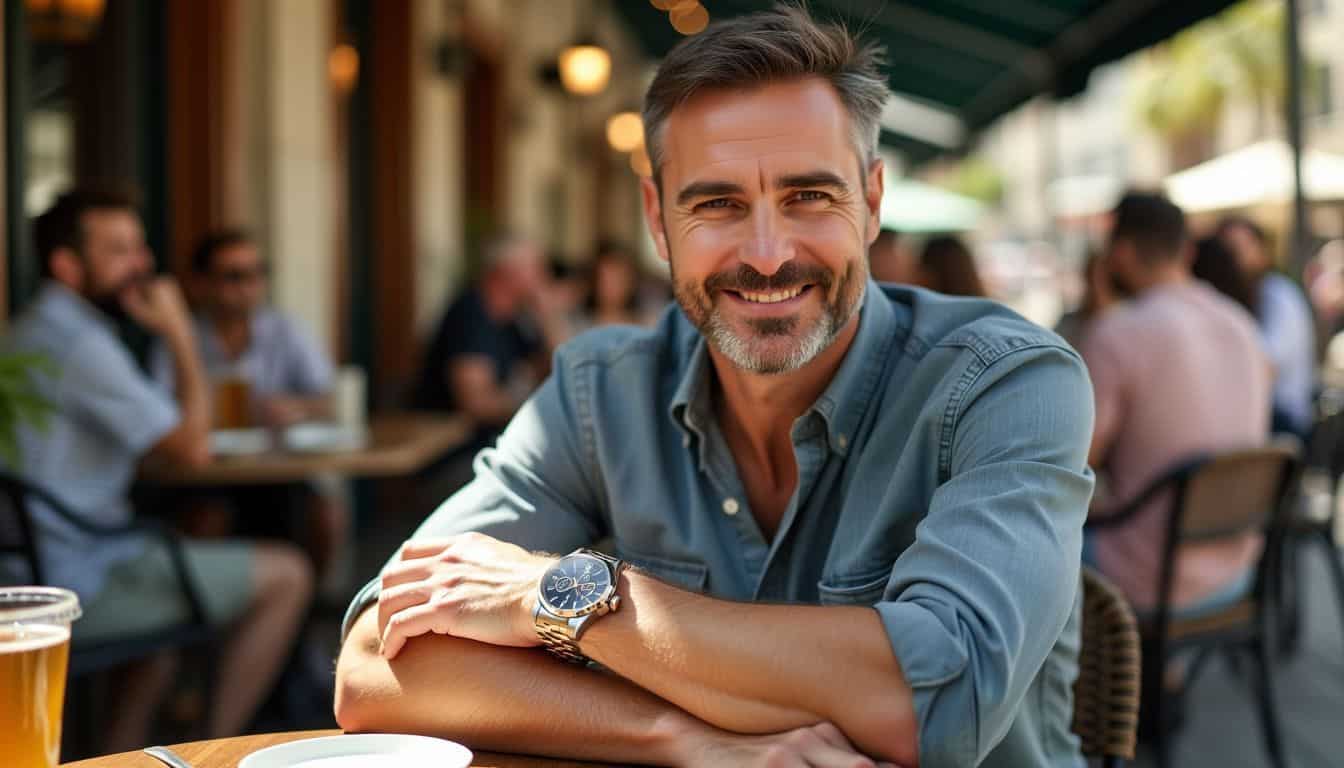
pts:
[575, 585]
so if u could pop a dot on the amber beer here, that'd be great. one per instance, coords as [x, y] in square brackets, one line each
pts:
[232, 395]
[34, 653]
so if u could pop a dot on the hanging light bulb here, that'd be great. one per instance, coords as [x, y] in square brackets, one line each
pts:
[585, 68]
[625, 131]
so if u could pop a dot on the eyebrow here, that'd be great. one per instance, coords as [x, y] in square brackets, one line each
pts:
[812, 179]
[700, 189]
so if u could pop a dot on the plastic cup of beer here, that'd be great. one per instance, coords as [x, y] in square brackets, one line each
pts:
[34, 652]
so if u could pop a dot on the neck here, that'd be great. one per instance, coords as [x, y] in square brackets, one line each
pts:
[760, 408]
[1166, 274]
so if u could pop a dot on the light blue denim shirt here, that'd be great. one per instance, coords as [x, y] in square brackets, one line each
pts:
[942, 479]
[107, 415]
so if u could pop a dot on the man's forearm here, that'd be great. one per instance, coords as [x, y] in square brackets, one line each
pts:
[193, 390]
[761, 668]
[506, 699]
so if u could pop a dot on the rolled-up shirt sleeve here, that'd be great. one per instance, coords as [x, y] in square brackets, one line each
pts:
[534, 488]
[976, 603]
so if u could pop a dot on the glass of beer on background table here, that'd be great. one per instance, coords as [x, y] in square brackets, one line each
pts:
[34, 652]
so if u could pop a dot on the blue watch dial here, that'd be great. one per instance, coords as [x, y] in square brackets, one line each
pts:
[575, 584]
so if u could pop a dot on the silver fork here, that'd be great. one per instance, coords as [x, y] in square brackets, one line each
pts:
[168, 756]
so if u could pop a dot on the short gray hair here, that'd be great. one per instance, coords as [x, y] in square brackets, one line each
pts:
[782, 44]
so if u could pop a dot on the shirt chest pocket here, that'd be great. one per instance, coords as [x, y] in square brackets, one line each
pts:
[856, 589]
[679, 573]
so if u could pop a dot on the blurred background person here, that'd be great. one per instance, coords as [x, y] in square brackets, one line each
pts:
[1098, 296]
[615, 295]
[109, 417]
[492, 347]
[1177, 371]
[947, 266]
[286, 379]
[289, 377]
[890, 259]
[1217, 265]
[1285, 324]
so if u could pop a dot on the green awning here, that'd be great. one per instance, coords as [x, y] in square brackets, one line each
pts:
[912, 206]
[976, 59]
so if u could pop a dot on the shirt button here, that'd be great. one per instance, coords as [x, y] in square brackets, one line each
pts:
[730, 507]
[842, 441]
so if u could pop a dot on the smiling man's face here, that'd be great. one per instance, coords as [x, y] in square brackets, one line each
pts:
[765, 217]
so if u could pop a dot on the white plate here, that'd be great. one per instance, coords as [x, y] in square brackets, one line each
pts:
[369, 750]
[320, 438]
[239, 442]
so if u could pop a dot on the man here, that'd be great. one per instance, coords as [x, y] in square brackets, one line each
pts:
[891, 260]
[108, 418]
[489, 352]
[289, 381]
[854, 513]
[1286, 326]
[1178, 371]
[289, 376]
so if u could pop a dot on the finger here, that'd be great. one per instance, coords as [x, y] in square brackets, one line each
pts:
[418, 548]
[399, 598]
[406, 572]
[412, 622]
[832, 735]
[823, 755]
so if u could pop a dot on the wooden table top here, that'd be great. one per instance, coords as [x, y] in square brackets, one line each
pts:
[398, 445]
[225, 753]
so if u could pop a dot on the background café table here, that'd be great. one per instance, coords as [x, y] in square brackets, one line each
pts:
[225, 753]
[397, 445]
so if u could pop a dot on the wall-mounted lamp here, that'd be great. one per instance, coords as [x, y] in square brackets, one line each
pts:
[343, 67]
[66, 21]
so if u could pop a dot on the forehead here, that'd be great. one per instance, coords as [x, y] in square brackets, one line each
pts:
[236, 252]
[782, 127]
[110, 222]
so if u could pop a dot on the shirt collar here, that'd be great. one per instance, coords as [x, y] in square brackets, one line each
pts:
[840, 406]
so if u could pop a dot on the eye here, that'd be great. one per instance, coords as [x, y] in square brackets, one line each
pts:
[717, 203]
[811, 195]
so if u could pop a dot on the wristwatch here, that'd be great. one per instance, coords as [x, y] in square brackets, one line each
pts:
[580, 587]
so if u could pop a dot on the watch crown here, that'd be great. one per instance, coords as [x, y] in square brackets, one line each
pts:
[615, 603]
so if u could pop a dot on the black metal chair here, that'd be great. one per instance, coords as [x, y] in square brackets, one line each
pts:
[1215, 497]
[1325, 460]
[18, 541]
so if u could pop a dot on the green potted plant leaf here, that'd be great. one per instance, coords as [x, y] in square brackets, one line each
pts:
[20, 401]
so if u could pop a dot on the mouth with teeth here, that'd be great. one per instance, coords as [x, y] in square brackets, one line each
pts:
[770, 297]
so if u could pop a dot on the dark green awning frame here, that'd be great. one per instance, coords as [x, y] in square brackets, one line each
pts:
[976, 59]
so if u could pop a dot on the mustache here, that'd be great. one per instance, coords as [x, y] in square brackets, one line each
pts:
[746, 278]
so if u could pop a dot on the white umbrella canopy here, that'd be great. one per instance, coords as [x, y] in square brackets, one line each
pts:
[1258, 174]
[912, 206]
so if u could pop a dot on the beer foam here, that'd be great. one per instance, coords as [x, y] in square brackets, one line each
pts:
[31, 637]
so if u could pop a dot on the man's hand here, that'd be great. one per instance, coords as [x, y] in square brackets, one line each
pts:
[814, 746]
[158, 306]
[469, 586]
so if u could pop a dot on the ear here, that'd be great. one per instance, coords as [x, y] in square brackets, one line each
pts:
[653, 216]
[873, 198]
[67, 268]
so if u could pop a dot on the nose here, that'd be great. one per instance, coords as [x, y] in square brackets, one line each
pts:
[769, 245]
